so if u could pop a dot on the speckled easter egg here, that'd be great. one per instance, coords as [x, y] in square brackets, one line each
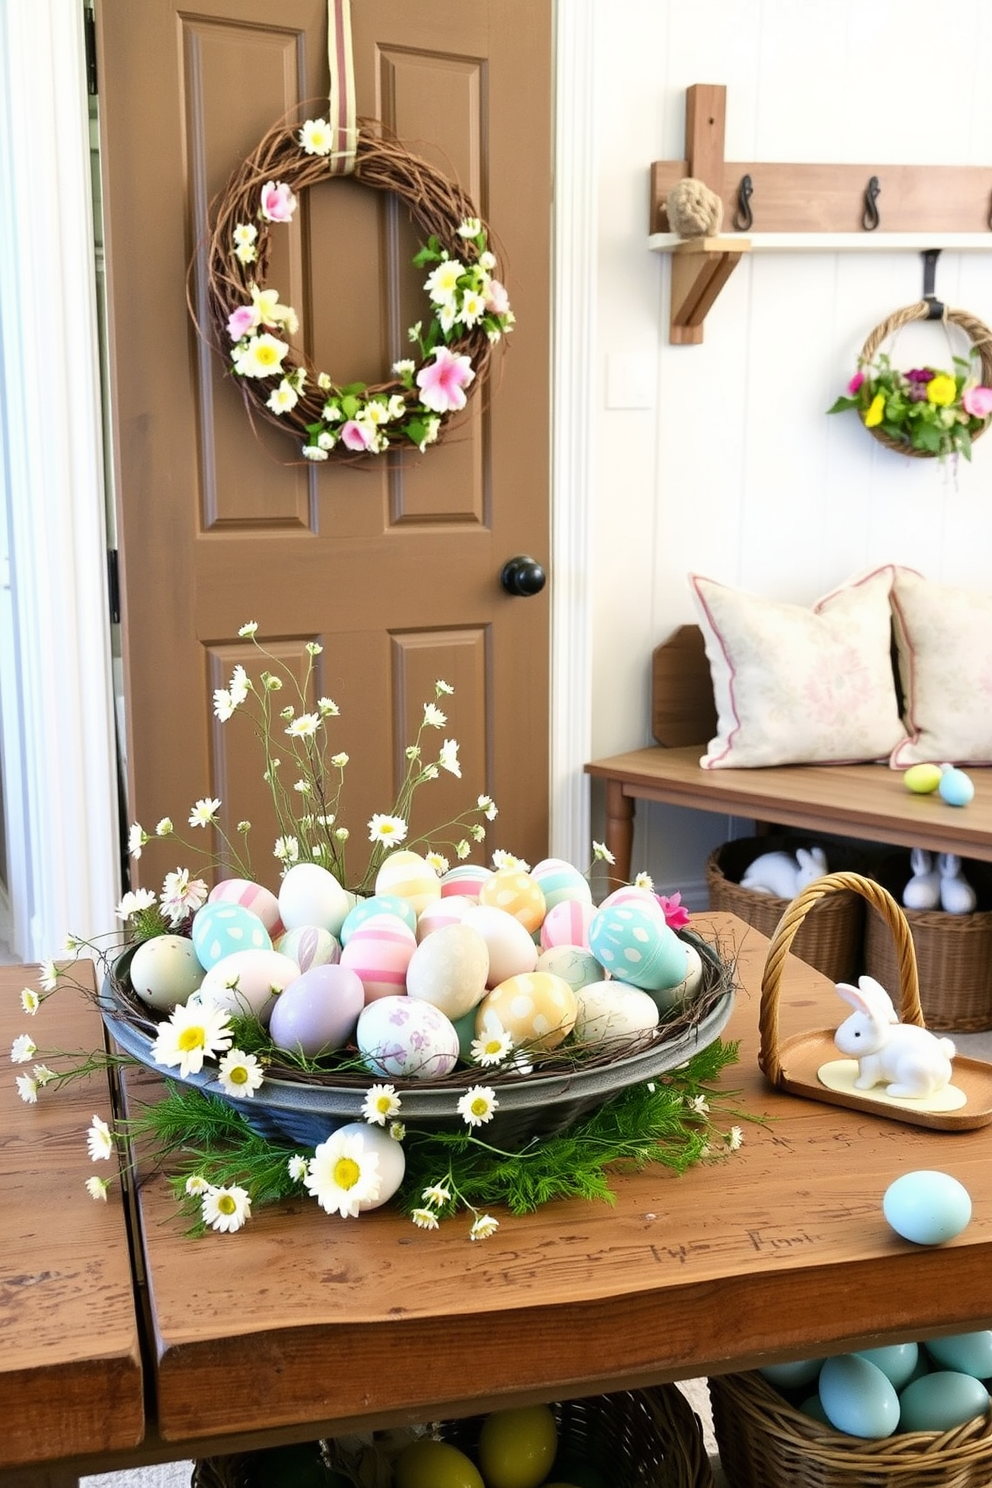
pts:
[575, 964]
[406, 1038]
[380, 951]
[309, 945]
[411, 877]
[465, 878]
[449, 969]
[219, 930]
[633, 942]
[517, 894]
[377, 904]
[310, 895]
[561, 881]
[609, 1010]
[510, 946]
[536, 1008]
[164, 971]
[450, 909]
[249, 981]
[317, 1011]
[253, 896]
[567, 923]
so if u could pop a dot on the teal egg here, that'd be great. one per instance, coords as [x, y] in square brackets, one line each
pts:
[927, 1207]
[968, 1353]
[377, 904]
[956, 788]
[897, 1361]
[813, 1406]
[792, 1376]
[633, 942]
[221, 929]
[857, 1397]
[561, 880]
[941, 1401]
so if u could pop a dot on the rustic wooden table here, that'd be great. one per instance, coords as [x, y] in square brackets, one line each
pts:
[303, 1325]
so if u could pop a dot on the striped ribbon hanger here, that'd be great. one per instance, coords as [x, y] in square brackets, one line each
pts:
[341, 62]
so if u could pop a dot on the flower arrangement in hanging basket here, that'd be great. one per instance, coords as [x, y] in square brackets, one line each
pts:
[925, 412]
[250, 326]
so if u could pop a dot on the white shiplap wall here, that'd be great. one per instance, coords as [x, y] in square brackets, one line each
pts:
[735, 471]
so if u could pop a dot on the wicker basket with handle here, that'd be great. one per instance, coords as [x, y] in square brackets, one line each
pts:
[765, 1442]
[794, 1064]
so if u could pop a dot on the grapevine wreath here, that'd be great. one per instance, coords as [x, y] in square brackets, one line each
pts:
[250, 326]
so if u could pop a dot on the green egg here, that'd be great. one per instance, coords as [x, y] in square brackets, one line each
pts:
[922, 779]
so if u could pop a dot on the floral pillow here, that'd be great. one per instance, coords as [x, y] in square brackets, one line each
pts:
[944, 645]
[801, 686]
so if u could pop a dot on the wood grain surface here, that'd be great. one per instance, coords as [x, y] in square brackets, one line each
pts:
[70, 1361]
[780, 1250]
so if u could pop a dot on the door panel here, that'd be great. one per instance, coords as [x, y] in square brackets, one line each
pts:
[393, 568]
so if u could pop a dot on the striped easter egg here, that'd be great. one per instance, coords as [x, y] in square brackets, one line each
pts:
[567, 923]
[379, 952]
[411, 877]
[253, 896]
[465, 878]
[561, 880]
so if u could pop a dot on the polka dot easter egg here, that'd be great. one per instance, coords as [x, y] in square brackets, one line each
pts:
[537, 1009]
[633, 942]
[220, 929]
[401, 1037]
[517, 894]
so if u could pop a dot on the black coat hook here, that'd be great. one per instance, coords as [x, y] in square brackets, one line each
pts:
[935, 310]
[743, 220]
[869, 217]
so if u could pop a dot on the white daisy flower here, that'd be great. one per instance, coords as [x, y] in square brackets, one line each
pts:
[343, 1173]
[483, 1227]
[226, 1209]
[437, 1195]
[99, 1140]
[193, 1032]
[240, 1074]
[297, 1166]
[448, 758]
[196, 1185]
[424, 1219]
[204, 812]
[433, 716]
[97, 1188]
[30, 1001]
[22, 1049]
[492, 1048]
[27, 1088]
[316, 137]
[380, 1105]
[384, 828]
[136, 839]
[478, 1105]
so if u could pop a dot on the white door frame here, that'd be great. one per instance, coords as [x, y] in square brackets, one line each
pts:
[58, 738]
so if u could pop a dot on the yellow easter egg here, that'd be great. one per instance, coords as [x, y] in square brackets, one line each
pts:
[435, 1464]
[519, 894]
[535, 1008]
[517, 1447]
[410, 877]
[922, 779]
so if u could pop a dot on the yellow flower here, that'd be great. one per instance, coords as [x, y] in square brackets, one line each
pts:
[875, 412]
[942, 390]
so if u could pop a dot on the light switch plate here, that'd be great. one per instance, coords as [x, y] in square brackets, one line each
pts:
[630, 380]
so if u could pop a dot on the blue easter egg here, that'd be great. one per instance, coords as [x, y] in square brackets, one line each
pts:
[561, 880]
[220, 929]
[956, 788]
[927, 1206]
[377, 904]
[633, 942]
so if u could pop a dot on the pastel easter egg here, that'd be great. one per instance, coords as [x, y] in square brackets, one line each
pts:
[510, 946]
[669, 998]
[358, 1137]
[609, 1010]
[632, 941]
[449, 969]
[897, 1361]
[968, 1353]
[517, 894]
[574, 963]
[630, 894]
[411, 877]
[567, 923]
[309, 945]
[253, 896]
[857, 1397]
[792, 1375]
[927, 1206]
[310, 895]
[536, 1008]
[249, 982]
[165, 970]
[465, 878]
[317, 1011]
[450, 909]
[380, 951]
[219, 930]
[377, 904]
[561, 882]
[942, 1400]
[405, 1038]
[922, 779]
[956, 788]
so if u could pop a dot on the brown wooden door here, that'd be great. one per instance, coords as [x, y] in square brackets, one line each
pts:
[395, 572]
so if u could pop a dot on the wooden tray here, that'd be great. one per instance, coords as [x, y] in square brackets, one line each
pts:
[795, 1064]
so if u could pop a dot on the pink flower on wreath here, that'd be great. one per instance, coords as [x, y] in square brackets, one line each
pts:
[278, 202]
[241, 321]
[855, 383]
[675, 912]
[442, 382]
[356, 436]
[497, 299]
[977, 401]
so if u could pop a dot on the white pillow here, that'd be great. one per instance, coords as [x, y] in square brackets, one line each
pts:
[944, 644]
[800, 686]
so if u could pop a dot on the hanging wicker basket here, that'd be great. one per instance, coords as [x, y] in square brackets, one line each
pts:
[765, 1442]
[978, 334]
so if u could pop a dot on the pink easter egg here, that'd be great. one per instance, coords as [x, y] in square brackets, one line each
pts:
[465, 878]
[249, 981]
[449, 910]
[253, 896]
[379, 951]
[567, 923]
[630, 894]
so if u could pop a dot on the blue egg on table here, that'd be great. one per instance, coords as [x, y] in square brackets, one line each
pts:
[956, 788]
[857, 1397]
[927, 1207]
[220, 929]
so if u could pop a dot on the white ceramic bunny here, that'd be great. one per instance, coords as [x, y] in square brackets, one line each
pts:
[923, 889]
[783, 874]
[911, 1061]
[956, 894]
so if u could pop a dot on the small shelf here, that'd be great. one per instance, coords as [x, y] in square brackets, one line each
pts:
[834, 242]
[700, 269]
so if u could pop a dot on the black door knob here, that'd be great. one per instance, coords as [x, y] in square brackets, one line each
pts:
[523, 575]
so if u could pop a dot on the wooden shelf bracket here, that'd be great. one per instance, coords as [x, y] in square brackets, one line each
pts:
[700, 269]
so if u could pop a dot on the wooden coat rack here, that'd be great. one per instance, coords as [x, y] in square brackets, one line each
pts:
[802, 206]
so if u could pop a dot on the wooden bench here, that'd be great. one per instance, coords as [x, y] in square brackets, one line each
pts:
[870, 802]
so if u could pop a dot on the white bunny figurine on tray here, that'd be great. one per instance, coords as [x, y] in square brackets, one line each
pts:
[784, 873]
[911, 1061]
